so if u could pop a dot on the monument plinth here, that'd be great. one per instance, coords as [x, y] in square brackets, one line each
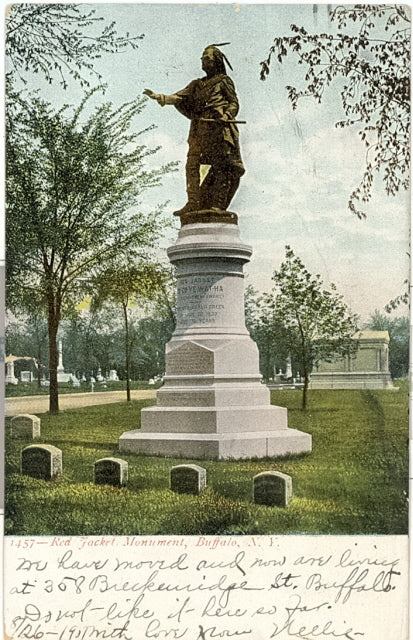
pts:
[212, 403]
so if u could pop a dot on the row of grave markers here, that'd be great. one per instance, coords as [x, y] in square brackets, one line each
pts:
[44, 461]
[271, 488]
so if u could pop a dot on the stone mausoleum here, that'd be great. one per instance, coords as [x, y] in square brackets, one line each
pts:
[368, 368]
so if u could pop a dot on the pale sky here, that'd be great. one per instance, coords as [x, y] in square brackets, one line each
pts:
[300, 169]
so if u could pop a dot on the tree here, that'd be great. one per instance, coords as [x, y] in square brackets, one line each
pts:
[316, 322]
[88, 342]
[399, 333]
[269, 336]
[72, 194]
[59, 38]
[126, 284]
[371, 51]
[154, 332]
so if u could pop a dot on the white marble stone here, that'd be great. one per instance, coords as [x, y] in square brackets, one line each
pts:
[25, 425]
[60, 367]
[43, 461]
[273, 489]
[188, 478]
[10, 377]
[212, 403]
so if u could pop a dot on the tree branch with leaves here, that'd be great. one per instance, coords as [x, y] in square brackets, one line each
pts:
[60, 39]
[370, 51]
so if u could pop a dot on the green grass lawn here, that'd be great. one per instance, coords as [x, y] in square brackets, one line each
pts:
[354, 481]
[32, 389]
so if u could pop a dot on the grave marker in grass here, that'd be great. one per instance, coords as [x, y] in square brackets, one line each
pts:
[188, 478]
[112, 471]
[25, 426]
[42, 461]
[273, 489]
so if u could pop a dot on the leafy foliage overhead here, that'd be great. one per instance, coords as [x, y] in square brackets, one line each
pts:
[62, 39]
[73, 192]
[371, 50]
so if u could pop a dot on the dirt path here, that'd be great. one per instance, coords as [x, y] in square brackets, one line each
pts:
[40, 404]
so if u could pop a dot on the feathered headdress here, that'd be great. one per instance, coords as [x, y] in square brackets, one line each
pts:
[217, 53]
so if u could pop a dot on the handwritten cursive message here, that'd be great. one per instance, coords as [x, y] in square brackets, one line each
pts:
[206, 587]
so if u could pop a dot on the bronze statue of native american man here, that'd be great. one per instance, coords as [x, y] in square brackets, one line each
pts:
[212, 105]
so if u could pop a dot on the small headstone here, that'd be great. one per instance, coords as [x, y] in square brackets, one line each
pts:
[25, 426]
[43, 461]
[113, 471]
[26, 376]
[188, 478]
[273, 488]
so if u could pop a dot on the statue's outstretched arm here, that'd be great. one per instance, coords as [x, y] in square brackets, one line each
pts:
[161, 98]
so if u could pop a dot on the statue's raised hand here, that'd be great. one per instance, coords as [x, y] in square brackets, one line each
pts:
[151, 94]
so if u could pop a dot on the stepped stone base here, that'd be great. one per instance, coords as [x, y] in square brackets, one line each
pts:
[221, 446]
[212, 403]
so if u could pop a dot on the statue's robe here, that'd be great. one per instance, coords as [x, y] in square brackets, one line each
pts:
[213, 98]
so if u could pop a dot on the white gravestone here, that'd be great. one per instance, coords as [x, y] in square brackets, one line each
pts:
[188, 478]
[288, 369]
[273, 489]
[112, 471]
[42, 461]
[25, 426]
[61, 375]
[367, 368]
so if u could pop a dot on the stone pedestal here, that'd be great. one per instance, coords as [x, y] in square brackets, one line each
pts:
[212, 403]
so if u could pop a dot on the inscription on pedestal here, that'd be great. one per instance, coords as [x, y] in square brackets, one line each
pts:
[200, 299]
[190, 359]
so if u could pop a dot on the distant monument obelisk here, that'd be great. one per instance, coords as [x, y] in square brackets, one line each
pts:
[212, 403]
[60, 367]
[288, 369]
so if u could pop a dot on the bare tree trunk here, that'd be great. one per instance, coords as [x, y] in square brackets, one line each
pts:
[53, 389]
[127, 354]
[53, 317]
[305, 388]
